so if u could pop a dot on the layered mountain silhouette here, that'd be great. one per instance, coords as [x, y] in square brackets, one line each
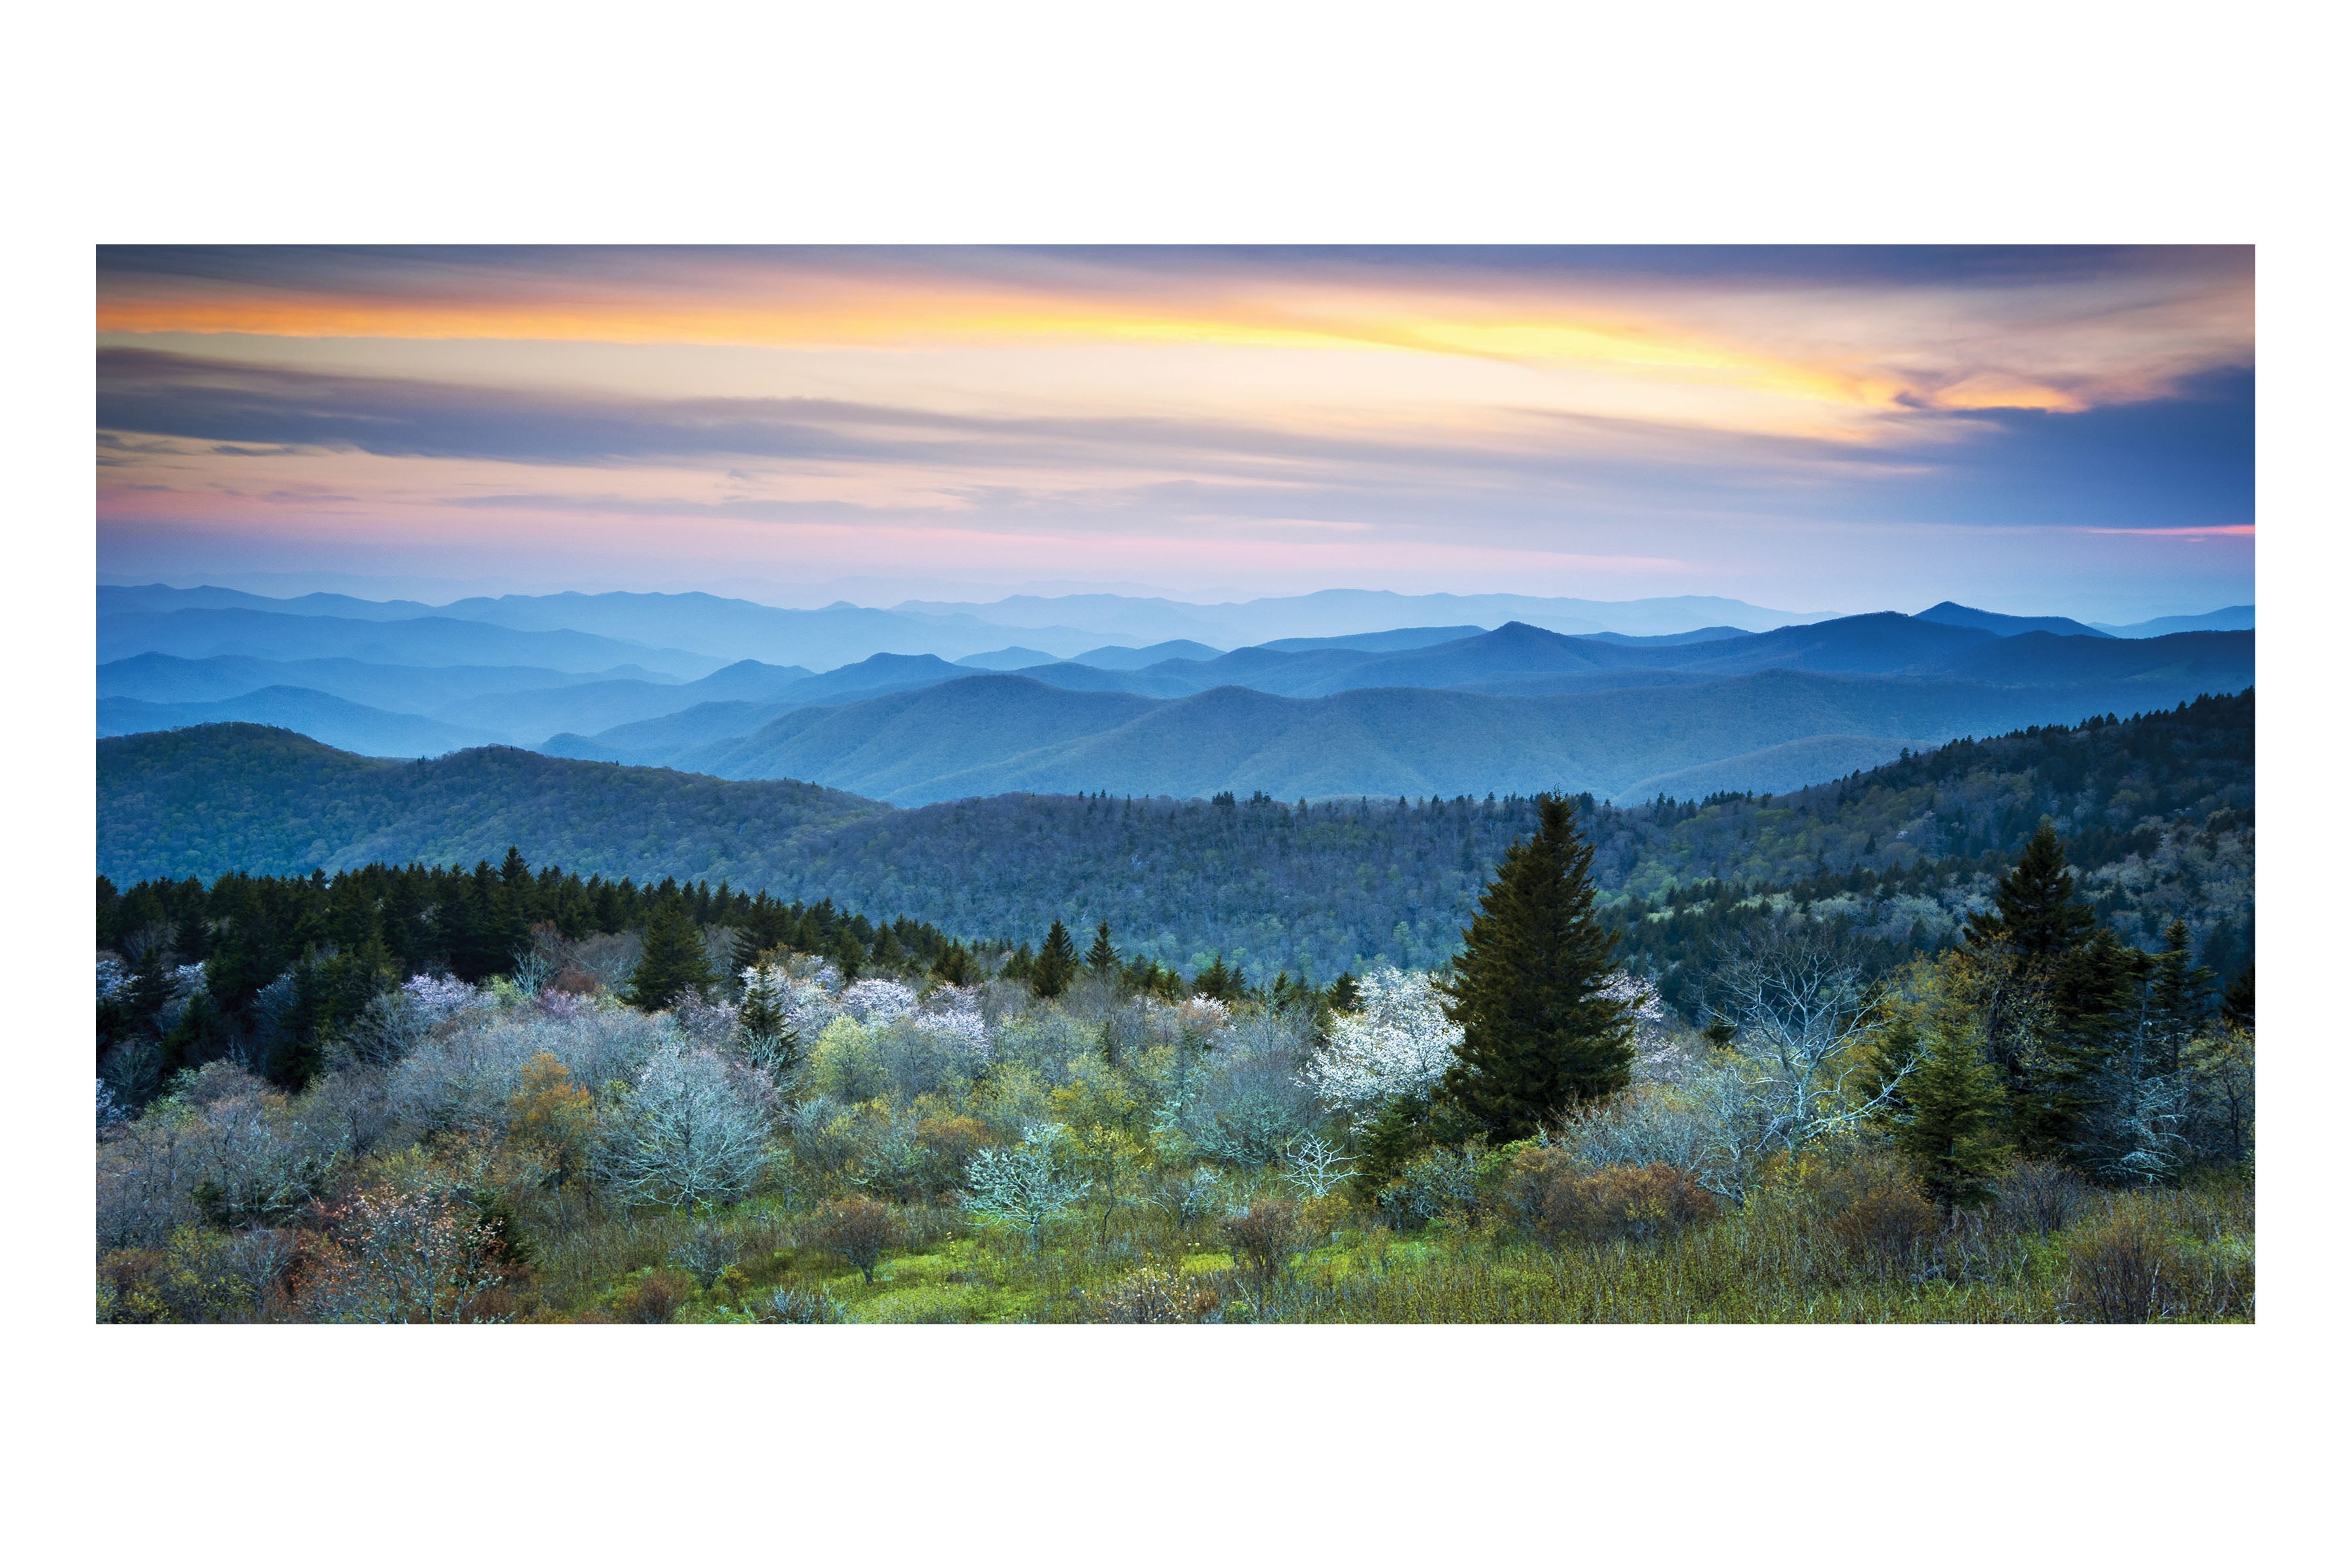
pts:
[1414, 711]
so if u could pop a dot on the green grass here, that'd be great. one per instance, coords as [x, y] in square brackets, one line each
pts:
[1776, 1260]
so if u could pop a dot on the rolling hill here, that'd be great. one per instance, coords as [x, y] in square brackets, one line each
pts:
[2158, 812]
[396, 687]
[428, 639]
[200, 801]
[347, 726]
[991, 733]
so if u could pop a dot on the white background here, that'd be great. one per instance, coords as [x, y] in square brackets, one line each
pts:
[1321, 123]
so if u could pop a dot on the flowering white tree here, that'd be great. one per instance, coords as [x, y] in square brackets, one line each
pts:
[878, 1001]
[964, 1034]
[693, 1130]
[1398, 1042]
[437, 998]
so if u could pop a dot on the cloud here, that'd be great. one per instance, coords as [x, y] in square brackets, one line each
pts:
[246, 409]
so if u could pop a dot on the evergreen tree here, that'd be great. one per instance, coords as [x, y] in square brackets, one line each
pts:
[2092, 1018]
[2179, 997]
[954, 965]
[848, 952]
[1345, 995]
[1220, 982]
[2238, 1002]
[135, 1011]
[1103, 958]
[759, 933]
[1951, 1132]
[761, 1017]
[1538, 1036]
[1057, 962]
[672, 962]
[201, 1036]
[769, 1037]
[1401, 1134]
[2034, 913]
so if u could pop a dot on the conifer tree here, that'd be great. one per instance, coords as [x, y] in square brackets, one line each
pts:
[1345, 995]
[2034, 913]
[2178, 994]
[672, 962]
[1950, 1135]
[1220, 982]
[2238, 1002]
[2092, 1018]
[848, 952]
[953, 966]
[137, 1008]
[1538, 1034]
[759, 934]
[1102, 958]
[1057, 962]
[769, 1037]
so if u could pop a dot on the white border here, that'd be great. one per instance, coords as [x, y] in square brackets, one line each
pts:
[1228, 122]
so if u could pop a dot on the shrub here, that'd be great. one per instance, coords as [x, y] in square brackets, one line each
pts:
[396, 1256]
[2040, 1196]
[786, 1305]
[1559, 1203]
[707, 1251]
[655, 1299]
[1878, 1208]
[1263, 1238]
[1028, 1185]
[2123, 1269]
[1155, 1296]
[952, 1141]
[1442, 1181]
[859, 1231]
[1187, 1199]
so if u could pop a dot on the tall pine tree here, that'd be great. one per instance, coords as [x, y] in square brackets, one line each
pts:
[2034, 913]
[672, 962]
[1538, 1034]
[1950, 1135]
[769, 1037]
[1103, 958]
[2179, 997]
[1057, 962]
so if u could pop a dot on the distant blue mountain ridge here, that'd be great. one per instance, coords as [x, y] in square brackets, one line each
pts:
[1680, 705]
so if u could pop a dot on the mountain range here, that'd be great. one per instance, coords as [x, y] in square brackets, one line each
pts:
[2166, 801]
[681, 629]
[1448, 707]
[1514, 708]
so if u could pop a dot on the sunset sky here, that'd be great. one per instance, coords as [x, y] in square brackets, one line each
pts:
[2034, 429]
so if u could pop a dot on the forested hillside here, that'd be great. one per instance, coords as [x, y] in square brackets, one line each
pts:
[2159, 811]
[240, 797]
[1515, 710]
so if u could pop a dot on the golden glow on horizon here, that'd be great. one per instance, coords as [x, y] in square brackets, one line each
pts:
[1680, 371]
[1335, 420]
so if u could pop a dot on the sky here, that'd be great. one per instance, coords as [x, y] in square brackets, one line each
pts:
[2036, 429]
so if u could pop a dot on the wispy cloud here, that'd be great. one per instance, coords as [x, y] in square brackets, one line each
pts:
[1734, 410]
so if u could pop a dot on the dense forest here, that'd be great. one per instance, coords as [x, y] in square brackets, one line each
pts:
[433, 1094]
[2158, 810]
